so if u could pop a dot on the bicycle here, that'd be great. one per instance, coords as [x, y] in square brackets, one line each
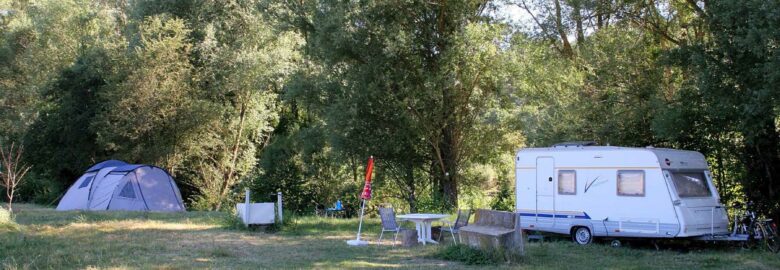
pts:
[758, 231]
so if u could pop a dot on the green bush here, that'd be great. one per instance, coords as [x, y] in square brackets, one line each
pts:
[232, 222]
[40, 189]
[287, 224]
[469, 255]
[504, 200]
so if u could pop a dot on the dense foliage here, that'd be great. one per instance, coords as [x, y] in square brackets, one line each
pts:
[293, 96]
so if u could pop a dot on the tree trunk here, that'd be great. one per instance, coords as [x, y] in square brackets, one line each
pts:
[599, 20]
[411, 197]
[9, 192]
[567, 50]
[602, 13]
[448, 152]
[449, 178]
[231, 171]
[577, 16]
[355, 175]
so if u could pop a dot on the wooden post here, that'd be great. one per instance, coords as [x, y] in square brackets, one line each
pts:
[246, 208]
[409, 238]
[279, 206]
[519, 246]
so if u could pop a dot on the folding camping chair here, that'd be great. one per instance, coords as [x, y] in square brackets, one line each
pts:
[389, 224]
[453, 227]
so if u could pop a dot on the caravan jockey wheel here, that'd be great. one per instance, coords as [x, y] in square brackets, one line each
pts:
[582, 236]
[615, 243]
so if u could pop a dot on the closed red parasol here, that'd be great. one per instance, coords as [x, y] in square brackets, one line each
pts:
[366, 195]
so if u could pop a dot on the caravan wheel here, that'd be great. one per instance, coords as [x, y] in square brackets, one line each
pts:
[582, 236]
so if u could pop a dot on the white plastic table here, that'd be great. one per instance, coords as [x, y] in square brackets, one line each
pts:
[423, 224]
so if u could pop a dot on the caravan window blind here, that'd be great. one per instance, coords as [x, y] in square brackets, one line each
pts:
[567, 182]
[631, 183]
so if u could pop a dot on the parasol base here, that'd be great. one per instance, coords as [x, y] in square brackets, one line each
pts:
[357, 242]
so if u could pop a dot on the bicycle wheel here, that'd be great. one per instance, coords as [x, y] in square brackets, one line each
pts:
[755, 237]
[770, 237]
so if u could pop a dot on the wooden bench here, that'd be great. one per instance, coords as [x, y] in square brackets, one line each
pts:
[494, 230]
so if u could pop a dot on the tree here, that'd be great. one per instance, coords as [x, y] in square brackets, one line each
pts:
[70, 51]
[152, 110]
[12, 171]
[37, 41]
[62, 140]
[685, 74]
[191, 86]
[416, 82]
[736, 73]
[238, 62]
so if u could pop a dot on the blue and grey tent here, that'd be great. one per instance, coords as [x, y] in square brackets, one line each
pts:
[116, 185]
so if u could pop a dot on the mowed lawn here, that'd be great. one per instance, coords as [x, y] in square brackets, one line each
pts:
[47, 239]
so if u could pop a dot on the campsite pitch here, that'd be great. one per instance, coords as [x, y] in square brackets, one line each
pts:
[47, 239]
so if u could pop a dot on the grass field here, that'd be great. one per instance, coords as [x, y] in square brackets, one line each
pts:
[46, 239]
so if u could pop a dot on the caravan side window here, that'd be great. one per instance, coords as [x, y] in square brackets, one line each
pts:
[631, 183]
[567, 182]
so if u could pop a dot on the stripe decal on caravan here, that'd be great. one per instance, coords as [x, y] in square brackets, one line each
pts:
[593, 168]
[554, 214]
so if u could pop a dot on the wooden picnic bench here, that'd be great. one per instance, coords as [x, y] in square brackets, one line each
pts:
[494, 230]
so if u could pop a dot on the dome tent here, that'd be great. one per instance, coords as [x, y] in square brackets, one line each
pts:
[116, 185]
[77, 197]
[105, 164]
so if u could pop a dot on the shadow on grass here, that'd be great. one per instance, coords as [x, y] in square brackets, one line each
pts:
[311, 225]
[75, 239]
[77, 247]
[60, 218]
[57, 240]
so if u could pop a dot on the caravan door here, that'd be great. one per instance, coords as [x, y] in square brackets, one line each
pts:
[545, 195]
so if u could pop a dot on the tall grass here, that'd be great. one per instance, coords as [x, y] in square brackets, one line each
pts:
[5, 216]
[231, 221]
[49, 239]
[472, 256]
[467, 255]
[6, 220]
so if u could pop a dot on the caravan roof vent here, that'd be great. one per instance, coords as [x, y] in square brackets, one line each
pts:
[575, 144]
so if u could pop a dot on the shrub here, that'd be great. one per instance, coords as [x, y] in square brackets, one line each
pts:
[468, 255]
[40, 189]
[287, 224]
[232, 222]
[504, 200]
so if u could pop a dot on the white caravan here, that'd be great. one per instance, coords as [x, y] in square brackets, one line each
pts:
[615, 192]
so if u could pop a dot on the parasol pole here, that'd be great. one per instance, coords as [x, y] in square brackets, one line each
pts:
[365, 195]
